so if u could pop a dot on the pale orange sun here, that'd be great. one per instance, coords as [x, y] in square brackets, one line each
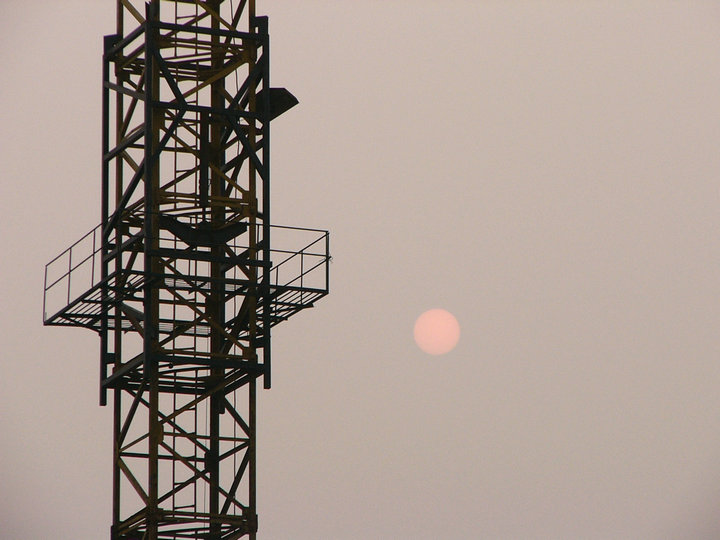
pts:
[436, 331]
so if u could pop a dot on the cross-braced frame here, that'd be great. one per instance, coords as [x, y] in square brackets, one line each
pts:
[185, 326]
[180, 279]
[185, 330]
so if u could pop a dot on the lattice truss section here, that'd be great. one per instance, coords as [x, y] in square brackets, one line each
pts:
[186, 89]
[178, 279]
[185, 246]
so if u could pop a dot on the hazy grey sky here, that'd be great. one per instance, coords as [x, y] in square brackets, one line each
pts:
[546, 170]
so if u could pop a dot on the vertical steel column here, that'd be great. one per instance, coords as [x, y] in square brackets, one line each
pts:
[252, 322]
[151, 302]
[261, 26]
[215, 304]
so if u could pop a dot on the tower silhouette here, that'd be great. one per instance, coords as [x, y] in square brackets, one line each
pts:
[180, 279]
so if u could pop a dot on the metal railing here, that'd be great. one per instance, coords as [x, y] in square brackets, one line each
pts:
[72, 273]
[304, 268]
[77, 270]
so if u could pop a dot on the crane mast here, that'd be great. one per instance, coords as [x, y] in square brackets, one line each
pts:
[180, 279]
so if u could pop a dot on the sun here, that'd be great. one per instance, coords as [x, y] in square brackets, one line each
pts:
[436, 331]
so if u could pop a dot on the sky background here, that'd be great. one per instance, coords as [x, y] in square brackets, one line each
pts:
[545, 170]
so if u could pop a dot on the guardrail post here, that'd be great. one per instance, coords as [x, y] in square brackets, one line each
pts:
[45, 294]
[327, 262]
[302, 274]
[68, 273]
[92, 271]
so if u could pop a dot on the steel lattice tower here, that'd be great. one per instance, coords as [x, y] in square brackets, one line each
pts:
[180, 279]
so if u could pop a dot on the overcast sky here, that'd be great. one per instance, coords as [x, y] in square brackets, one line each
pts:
[545, 170]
